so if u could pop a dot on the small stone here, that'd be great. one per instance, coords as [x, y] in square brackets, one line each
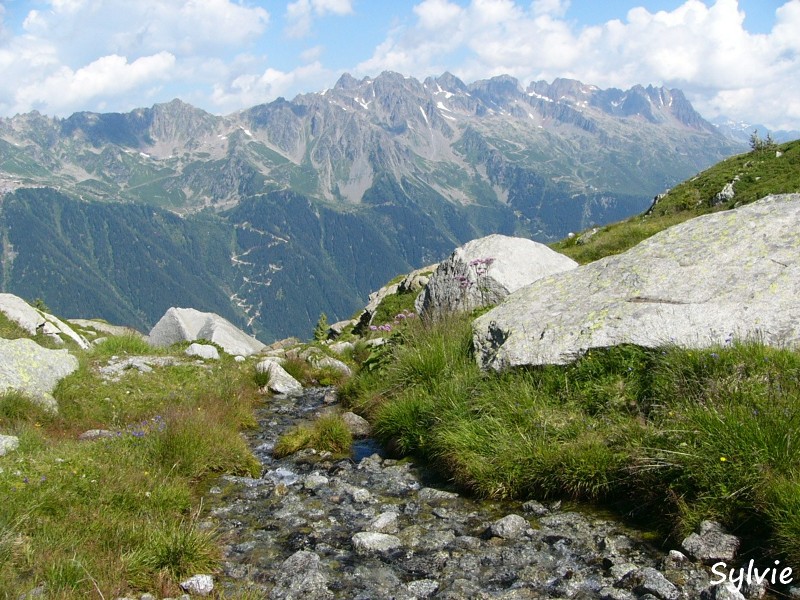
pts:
[239, 358]
[509, 527]
[675, 559]
[369, 542]
[147, 597]
[202, 585]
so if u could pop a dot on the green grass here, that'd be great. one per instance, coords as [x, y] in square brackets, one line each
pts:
[328, 433]
[688, 434]
[117, 516]
[393, 305]
[759, 174]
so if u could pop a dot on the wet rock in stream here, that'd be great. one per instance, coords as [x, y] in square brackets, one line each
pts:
[370, 527]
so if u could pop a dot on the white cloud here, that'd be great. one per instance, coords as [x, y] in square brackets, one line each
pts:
[109, 76]
[81, 54]
[249, 90]
[301, 13]
[703, 50]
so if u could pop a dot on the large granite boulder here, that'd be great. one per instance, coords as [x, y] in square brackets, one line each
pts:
[724, 276]
[188, 324]
[35, 371]
[36, 321]
[484, 271]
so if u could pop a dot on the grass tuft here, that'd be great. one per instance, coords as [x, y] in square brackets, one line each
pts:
[328, 433]
[691, 434]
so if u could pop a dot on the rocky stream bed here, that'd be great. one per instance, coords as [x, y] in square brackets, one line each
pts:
[369, 527]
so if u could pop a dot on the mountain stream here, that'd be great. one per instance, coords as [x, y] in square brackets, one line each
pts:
[370, 527]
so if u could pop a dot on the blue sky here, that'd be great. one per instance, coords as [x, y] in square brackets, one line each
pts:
[740, 59]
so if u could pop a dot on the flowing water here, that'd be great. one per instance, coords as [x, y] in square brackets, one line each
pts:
[370, 527]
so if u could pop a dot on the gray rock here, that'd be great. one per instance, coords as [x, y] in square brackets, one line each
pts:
[484, 271]
[375, 298]
[416, 280]
[370, 542]
[732, 274]
[648, 580]
[117, 366]
[188, 324]
[34, 320]
[96, 434]
[535, 508]
[385, 522]
[509, 527]
[104, 327]
[315, 481]
[723, 591]
[35, 371]
[712, 544]
[434, 494]
[727, 193]
[201, 585]
[337, 328]
[333, 363]
[280, 381]
[423, 588]
[300, 578]
[206, 351]
[359, 427]
[341, 347]
[8, 443]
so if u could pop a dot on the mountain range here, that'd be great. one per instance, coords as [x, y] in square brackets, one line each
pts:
[276, 213]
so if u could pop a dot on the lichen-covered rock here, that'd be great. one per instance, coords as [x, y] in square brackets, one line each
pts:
[35, 371]
[189, 325]
[712, 544]
[484, 271]
[648, 580]
[301, 578]
[724, 276]
[36, 321]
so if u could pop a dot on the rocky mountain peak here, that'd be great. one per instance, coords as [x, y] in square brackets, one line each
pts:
[347, 82]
